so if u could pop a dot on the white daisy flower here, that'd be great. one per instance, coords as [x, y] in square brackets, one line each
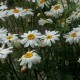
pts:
[3, 33]
[75, 15]
[65, 4]
[3, 14]
[44, 21]
[57, 10]
[30, 58]
[31, 38]
[62, 21]
[17, 12]
[78, 5]
[51, 36]
[28, 11]
[3, 7]
[77, 29]
[4, 52]
[9, 38]
[41, 3]
[72, 37]
[48, 13]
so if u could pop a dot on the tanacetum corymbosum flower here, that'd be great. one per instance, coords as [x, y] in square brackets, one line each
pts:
[50, 36]
[3, 33]
[3, 14]
[77, 29]
[9, 38]
[57, 10]
[18, 11]
[31, 38]
[28, 11]
[75, 15]
[72, 37]
[2, 7]
[64, 21]
[49, 13]
[4, 52]
[29, 58]
[45, 21]
[41, 3]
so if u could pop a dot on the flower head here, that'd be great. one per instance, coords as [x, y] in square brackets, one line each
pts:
[4, 52]
[17, 12]
[57, 10]
[31, 38]
[41, 3]
[2, 7]
[75, 15]
[51, 36]
[72, 37]
[28, 11]
[9, 38]
[44, 21]
[3, 14]
[30, 58]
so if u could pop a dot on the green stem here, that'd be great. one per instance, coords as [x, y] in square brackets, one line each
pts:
[35, 72]
[13, 67]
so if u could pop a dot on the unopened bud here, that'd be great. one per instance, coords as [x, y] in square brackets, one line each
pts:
[38, 14]
[16, 43]
[24, 69]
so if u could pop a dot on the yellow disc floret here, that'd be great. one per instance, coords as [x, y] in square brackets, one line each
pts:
[73, 34]
[9, 37]
[15, 10]
[49, 37]
[28, 55]
[56, 7]
[31, 36]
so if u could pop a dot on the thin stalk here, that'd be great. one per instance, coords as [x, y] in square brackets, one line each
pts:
[13, 67]
[35, 72]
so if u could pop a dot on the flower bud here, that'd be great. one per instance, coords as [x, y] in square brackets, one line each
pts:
[38, 14]
[24, 68]
[16, 43]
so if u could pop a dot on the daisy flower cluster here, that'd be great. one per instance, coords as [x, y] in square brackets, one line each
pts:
[33, 38]
[4, 51]
[42, 35]
[20, 12]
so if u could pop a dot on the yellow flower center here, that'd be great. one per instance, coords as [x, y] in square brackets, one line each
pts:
[56, 7]
[9, 37]
[42, 1]
[48, 37]
[28, 55]
[73, 34]
[31, 36]
[15, 10]
[76, 14]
